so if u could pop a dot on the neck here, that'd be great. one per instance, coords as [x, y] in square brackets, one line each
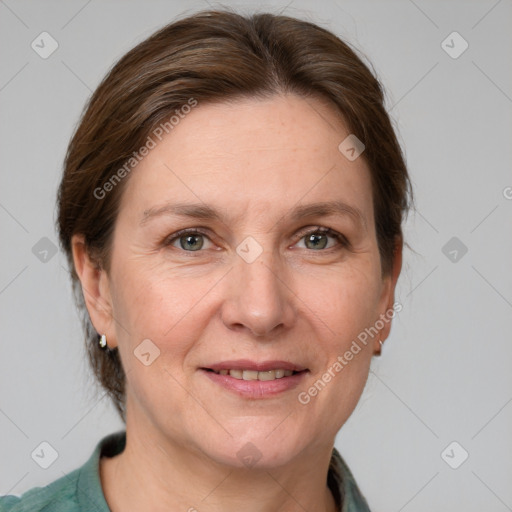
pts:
[153, 473]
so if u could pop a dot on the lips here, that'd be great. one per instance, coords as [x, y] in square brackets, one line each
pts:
[256, 379]
[247, 364]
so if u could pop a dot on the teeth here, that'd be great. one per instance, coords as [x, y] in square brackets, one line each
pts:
[268, 375]
[254, 375]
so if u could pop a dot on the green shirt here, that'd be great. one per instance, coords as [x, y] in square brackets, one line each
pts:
[80, 490]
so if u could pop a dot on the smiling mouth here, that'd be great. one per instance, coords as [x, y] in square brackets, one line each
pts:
[267, 375]
[255, 380]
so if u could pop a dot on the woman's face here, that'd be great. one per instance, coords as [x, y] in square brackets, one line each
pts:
[254, 285]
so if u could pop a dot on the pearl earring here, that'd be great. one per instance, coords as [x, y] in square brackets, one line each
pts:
[103, 341]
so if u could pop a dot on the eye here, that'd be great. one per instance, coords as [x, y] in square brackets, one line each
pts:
[190, 240]
[318, 239]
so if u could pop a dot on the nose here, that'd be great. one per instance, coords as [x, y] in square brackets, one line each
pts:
[259, 298]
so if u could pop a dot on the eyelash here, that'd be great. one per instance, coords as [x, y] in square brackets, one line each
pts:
[323, 231]
[341, 239]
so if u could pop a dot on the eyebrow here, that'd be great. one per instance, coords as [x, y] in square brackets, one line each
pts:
[204, 212]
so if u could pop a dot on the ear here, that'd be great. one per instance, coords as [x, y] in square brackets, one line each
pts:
[387, 299]
[95, 288]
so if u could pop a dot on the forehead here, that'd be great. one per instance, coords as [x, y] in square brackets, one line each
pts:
[257, 156]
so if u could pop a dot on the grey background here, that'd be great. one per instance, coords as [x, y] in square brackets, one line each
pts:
[445, 374]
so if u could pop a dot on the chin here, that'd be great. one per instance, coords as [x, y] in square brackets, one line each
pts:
[253, 450]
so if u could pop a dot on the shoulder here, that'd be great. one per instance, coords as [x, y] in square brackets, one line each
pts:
[58, 496]
[78, 491]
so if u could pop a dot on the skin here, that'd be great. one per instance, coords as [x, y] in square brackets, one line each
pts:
[254, 161]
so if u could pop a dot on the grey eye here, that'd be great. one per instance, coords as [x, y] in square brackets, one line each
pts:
[191, 242]
[316, 240]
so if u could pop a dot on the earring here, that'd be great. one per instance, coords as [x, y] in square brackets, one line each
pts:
[379, 353]
[103, 341]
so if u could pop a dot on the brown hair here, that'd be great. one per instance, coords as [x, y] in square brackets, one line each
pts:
[216, 56]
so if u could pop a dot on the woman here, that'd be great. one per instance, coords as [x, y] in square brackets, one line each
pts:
[231, 208]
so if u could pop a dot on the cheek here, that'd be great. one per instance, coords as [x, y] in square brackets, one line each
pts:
[344, 301]
[342, 307]
[171, 308]
[151, 302]
[150, 306]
